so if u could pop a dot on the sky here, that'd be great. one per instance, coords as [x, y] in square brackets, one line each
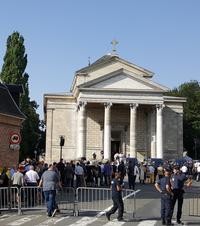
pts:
[162, 36]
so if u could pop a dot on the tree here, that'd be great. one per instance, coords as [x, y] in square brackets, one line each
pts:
[191, 117]
[13, 72]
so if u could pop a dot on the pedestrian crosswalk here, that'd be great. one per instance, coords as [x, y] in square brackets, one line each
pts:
[61, 220]
[23, 220]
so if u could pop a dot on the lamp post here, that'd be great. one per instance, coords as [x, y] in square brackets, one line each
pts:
[62, 142]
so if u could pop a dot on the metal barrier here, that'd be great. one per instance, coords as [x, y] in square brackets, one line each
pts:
[66, 199]
[32, 198]
[9, 198]
[193, 202]
[82, 199]
[100, 199]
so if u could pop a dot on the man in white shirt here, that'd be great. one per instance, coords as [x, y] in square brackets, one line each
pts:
[31, 179]
[184, 169]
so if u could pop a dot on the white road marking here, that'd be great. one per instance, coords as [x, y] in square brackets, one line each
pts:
[84, 221]
[23, 220]
[174, 222]
[104, 211]
[51, 221]
[147, 223]
[6, 216]
[115, 223]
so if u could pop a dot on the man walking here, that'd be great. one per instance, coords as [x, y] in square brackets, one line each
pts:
[117, 198]
[164, 187]
[49, 182]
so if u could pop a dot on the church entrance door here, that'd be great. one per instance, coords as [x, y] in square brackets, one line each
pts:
[115, 148]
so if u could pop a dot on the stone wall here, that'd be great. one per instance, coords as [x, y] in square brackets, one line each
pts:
[172, 131]
[61, 120]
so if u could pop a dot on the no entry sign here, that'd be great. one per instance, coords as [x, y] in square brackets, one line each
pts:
[15, 138]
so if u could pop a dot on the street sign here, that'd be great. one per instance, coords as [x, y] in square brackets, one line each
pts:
[15, 138]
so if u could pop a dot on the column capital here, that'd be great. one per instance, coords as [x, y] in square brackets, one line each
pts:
[160, 106]
[107, 105]
[81, 104]
[134, 106]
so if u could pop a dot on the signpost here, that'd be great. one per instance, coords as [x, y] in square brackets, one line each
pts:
[14, 141]
[15, 138]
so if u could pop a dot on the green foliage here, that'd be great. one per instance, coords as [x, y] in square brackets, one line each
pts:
[13, 72]
[15, 60]
[191, 117]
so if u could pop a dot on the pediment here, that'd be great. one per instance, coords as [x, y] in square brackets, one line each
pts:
[121, 80]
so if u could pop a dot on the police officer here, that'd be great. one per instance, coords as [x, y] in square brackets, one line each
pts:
[164, 187]
[117, 198]
[178, 180]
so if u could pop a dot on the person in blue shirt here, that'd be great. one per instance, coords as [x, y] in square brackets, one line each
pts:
[178, 180]
[116, 186]
[163, 185]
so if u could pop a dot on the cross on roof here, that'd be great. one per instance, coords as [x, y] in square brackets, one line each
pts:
[114, 43]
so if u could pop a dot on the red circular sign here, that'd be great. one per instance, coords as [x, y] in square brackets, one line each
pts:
[15, 138]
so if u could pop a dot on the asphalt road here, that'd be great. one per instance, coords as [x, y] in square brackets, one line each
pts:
[148, 214]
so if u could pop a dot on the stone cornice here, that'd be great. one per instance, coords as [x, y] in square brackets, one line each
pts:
[121, 90]
[175, 99]
[14, 119]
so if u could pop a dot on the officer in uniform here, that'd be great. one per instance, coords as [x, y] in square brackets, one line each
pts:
[164, 187]
[117, 198]
[178, 180]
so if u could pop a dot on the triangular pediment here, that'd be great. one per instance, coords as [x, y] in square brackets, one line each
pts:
[122, 80]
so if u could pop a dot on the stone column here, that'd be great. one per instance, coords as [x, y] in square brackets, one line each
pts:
[81, 130]
[107, 131]
[153, 133]
[159, 130]
[133, 118]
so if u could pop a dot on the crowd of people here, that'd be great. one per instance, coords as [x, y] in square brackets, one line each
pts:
[91, 172]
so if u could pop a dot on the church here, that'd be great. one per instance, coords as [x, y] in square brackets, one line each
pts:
[113, 106]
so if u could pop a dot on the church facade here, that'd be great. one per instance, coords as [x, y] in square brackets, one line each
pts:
[114, 107]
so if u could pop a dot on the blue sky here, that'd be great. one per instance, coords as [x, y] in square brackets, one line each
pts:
[160, 35]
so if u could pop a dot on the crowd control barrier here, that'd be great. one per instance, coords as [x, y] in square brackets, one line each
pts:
[100, 199]
[9, 198]
[33, 198]
[66, 199]
[82, 199]
[193, 202]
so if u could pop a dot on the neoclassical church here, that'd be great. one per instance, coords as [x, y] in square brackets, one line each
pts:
[113, 106]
